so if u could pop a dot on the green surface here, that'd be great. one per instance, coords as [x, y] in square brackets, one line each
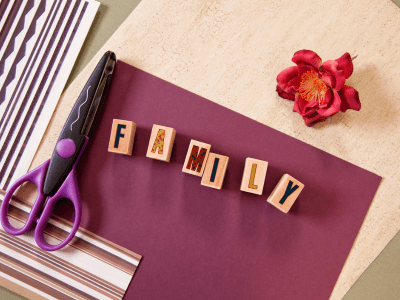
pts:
[109, 17]
[9, 295]
[382, 278]
[381, 281]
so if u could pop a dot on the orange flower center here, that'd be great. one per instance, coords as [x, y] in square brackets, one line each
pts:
[312, 88]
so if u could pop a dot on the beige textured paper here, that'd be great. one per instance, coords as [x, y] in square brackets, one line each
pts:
[231, 51]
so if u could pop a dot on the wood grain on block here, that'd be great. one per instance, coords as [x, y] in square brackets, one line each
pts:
[196, 158]
[214, 172]
[285, 193]
[161, 142]
[254, 176]
[122, 135]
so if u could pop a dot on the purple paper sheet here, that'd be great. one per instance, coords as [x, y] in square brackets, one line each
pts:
[202, 243]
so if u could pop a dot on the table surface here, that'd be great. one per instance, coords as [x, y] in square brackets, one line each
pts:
[380, 280]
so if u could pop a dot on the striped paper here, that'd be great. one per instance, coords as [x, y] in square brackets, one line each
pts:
[39, 43]
[89, 267]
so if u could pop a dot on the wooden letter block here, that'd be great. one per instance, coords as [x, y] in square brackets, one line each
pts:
[214, 172]
[122, 135]
[254, 176]
[196, 158]
[161, 143]
[285, 193]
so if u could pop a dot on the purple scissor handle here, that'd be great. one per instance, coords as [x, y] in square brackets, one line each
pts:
[56, 178]
[68, 189]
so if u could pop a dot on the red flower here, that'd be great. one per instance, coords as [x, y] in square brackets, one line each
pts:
[317, 88]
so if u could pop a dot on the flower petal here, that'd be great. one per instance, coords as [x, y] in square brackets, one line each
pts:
[285, 77]
[293, 85]
[328, 98]
[333, 107]
[283, 94]
[304, 107]
[350, 99]
[307, 57]
[345, 63]
[327, 78]
[313, 119]
[330, 67]
[303, 68]
[296, 104]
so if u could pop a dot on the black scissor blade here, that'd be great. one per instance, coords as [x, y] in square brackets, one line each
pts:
[100, 94]
[80, 111]
[59, 166]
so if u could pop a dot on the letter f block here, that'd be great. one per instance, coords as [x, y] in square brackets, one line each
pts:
[122, 135]
[196, 158]
[285, 193]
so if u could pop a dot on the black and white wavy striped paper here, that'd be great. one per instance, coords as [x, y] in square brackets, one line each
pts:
[39, 43]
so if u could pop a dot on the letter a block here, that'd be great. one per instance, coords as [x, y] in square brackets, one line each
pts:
[254, 176]
[285, 193]
[122, 135]
[161, 143]
[196, 158]
[214, 172]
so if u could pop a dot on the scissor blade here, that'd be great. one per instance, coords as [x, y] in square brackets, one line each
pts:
[71, 141]
[99, 95]
[84, 103]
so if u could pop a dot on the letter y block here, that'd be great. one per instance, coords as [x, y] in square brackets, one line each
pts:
[285, 193]
[122, 135]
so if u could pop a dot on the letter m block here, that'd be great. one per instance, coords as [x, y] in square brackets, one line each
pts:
[196, 158]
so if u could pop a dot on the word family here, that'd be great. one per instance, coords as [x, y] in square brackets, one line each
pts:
[200, 161]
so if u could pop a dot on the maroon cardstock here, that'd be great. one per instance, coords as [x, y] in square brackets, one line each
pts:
[202, 243]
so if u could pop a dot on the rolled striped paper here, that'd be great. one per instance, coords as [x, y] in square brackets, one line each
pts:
[89, 267]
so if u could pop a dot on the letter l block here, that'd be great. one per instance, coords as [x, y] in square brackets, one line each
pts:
[254, 176]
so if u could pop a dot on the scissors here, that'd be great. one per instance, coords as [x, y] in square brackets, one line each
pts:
[56, 178]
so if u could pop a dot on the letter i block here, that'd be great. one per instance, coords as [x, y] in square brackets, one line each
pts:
[161, 143]
[214, 172]
[254, 176]
[122, 135]
[196, 158]
[285, 193]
